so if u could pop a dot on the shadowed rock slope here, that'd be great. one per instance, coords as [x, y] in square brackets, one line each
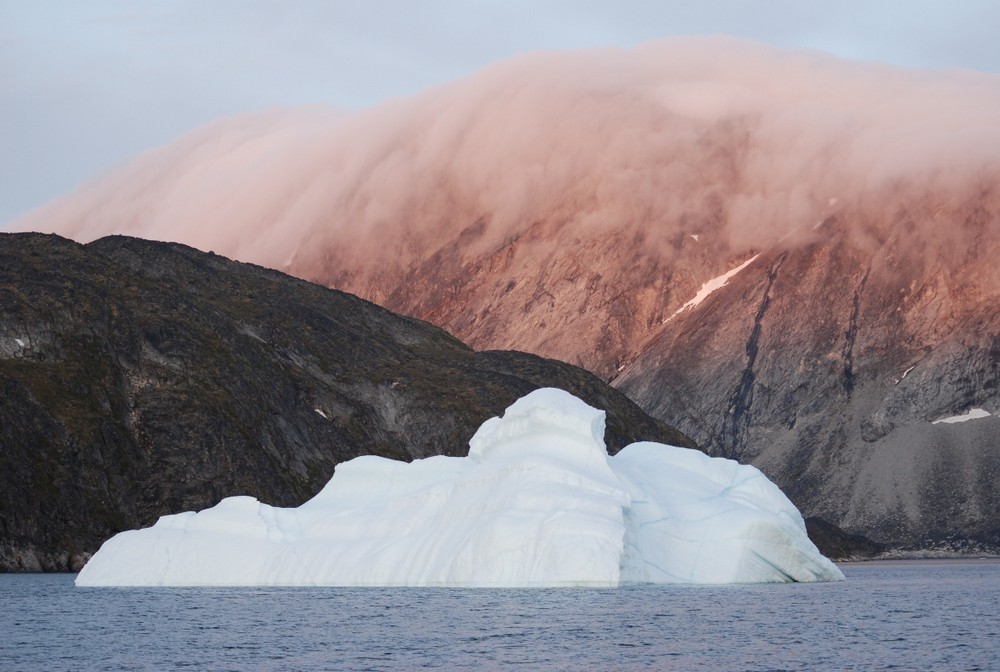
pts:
[141, 378]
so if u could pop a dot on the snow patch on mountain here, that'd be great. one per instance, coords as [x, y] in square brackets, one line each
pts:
[973, 414]
[711, 286]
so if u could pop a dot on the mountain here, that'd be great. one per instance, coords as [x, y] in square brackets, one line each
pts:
[140, 378]
[788, 256]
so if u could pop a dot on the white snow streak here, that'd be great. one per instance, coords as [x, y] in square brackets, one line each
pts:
[974, 414]
[711, 286]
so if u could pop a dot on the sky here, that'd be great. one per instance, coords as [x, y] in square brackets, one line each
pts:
[86, 85]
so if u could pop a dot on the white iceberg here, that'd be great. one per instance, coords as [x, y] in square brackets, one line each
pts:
[538, 502]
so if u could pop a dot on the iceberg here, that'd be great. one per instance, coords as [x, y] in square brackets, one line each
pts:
[537, 502]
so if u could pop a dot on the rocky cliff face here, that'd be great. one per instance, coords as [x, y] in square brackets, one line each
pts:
[141, 378]
[827, 365]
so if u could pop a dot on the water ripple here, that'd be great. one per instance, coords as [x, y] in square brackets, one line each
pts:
[888, 615]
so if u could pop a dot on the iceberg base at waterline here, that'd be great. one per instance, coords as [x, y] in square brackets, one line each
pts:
[537, 502]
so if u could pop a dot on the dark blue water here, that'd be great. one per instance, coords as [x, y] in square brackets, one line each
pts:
[889, 615]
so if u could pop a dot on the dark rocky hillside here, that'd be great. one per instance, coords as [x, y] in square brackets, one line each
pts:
[141, 378]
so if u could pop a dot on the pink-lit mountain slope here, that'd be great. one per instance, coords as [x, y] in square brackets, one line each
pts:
[790, 257]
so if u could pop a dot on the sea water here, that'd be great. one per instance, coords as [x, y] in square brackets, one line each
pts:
[887, 615]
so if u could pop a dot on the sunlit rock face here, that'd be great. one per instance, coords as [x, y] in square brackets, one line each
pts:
[571, 204]
[537, 502]
[830, 367]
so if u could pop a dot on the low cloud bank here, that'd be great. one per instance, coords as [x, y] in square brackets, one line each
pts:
[704, 136]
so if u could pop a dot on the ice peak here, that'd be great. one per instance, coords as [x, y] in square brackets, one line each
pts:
[544, 411]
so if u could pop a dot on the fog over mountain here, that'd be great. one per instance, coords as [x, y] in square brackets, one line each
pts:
[571, 204]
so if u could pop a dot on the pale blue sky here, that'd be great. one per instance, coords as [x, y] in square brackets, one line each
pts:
[84, 85]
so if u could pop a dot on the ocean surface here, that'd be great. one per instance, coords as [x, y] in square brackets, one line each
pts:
[909, 615]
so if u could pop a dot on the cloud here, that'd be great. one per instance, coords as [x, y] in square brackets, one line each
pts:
[677, 137]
